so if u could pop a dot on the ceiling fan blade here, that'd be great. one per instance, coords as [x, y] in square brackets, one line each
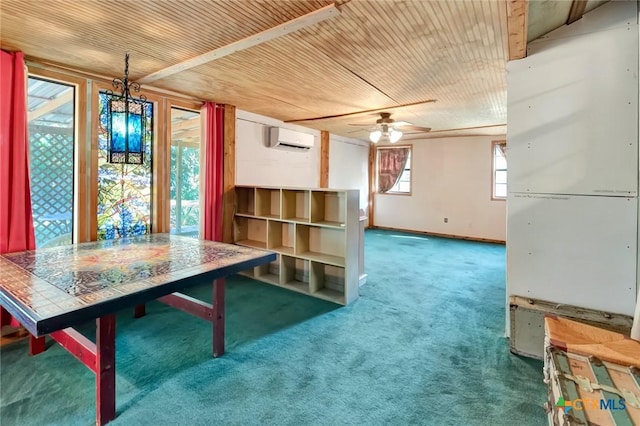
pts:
[359, 112]
[368, 125]
[413, 128]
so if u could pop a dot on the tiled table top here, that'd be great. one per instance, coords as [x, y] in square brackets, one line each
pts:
[44, 288]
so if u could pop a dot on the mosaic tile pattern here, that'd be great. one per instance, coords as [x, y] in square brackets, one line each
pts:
[53, 281]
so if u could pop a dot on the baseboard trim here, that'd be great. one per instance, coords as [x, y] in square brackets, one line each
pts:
[435, 234]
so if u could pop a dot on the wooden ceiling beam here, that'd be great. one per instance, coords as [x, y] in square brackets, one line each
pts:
[423, 135]
[577, 10]
[52, 105]
[517, 23]
[349, 114]
[468, 128]
[247, 42]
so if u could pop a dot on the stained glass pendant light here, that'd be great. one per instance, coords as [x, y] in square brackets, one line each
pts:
[126, 121]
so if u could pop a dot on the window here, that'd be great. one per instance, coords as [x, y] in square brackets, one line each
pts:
[77, 195]
[124, 190]
[184, 182]
[51, 151]
[499, 149]
[394, 170]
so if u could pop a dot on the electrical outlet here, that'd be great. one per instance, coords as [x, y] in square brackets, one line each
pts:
[446, 220]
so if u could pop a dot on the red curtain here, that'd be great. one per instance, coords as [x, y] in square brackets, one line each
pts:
[503, 149]
[16, 219]
[391, 162]
[214, 173]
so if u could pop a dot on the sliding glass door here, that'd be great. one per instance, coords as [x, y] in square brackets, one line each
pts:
[51, 119]
[184, 182]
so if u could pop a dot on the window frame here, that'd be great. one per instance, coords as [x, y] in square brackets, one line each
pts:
[195, 108]
[494, 144]
[81, 199]
[377, 190]
[87, 88]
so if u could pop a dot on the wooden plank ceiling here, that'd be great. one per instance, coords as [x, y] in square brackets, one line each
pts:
[375, 54]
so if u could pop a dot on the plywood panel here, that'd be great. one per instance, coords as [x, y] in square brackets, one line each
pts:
[635, 332]
[613, 14]
[573, 249]
[573, 114]
[545, 16]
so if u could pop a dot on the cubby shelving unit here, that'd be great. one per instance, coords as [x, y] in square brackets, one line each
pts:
[250, 232]
[316, 233]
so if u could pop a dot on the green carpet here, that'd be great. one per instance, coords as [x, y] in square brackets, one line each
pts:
[423, 345]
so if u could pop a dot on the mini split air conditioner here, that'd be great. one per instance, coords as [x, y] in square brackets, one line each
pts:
[290, 139]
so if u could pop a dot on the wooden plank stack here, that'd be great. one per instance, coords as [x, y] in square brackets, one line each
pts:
[593, 375]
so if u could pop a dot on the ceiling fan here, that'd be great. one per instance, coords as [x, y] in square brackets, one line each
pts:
[387, 129]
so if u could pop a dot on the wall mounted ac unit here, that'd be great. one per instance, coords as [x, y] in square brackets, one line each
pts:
[290, 139]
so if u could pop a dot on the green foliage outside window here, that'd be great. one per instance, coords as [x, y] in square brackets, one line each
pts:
[184, 187]
[124, 190]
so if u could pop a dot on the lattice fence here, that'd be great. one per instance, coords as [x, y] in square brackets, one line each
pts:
[51, 170]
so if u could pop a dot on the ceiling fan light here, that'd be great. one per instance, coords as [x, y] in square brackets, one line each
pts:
[375, 136]
[394, 135]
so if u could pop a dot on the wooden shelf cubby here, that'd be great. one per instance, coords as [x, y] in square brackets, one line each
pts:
[295, 205]
[281, 237]
[269, 272]
[315, 232]
[326, 281]
[250, 232]
[268, 202]
[328, 208]
[294, 274]
[245, 201]
[320, 244]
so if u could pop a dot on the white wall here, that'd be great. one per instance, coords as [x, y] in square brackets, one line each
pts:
[349, 166]
[573, 164]
[451, 178]
[258, 164]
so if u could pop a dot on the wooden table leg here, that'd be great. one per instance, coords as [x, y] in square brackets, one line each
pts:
[218, 319]
[139, 311]
[5, 317]
[36, 345]
[105, 369]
